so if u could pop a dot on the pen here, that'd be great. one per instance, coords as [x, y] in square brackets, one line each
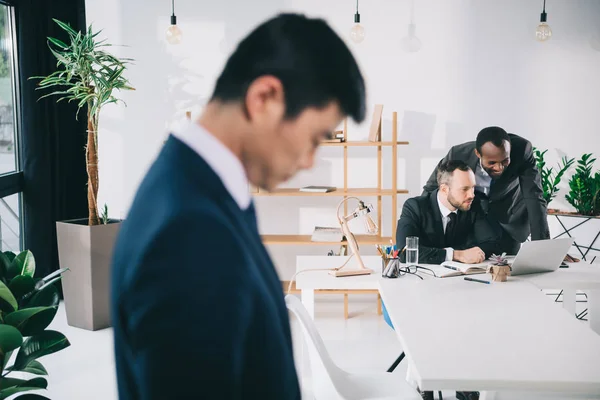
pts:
[476, 280]
[454, 268]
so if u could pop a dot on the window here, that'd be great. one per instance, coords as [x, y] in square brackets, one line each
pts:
[11, 177]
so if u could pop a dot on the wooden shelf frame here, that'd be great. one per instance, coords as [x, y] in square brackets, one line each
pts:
[345, 191]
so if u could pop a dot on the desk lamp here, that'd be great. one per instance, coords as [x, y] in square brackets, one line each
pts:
[363, 210]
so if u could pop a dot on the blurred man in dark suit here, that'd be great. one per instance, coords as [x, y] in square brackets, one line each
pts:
[197, 306]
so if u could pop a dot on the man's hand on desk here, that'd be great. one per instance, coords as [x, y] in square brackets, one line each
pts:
[474, 255]
[569, 258]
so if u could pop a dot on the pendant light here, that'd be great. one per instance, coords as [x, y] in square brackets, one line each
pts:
[543, 31]
[357, 33]
[173, 33]
[411, 43]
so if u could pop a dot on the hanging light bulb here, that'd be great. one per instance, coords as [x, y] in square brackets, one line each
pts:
[173, 33]
[357, 33]
[543, 31]
[411, 43]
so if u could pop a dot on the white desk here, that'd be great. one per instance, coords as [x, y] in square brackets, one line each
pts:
[579, 276]
[504, 336]
[309, 281]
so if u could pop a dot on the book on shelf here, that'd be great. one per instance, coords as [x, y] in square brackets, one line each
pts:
[327, 234]
[455, 268]
[318, 189]
[335, 137]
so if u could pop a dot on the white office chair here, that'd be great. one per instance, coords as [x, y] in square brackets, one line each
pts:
[331, 382]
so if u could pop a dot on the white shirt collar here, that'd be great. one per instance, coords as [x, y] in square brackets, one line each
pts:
[443, 209]
[482, 171]
[225, 164]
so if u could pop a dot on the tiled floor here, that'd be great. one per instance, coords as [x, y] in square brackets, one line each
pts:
[362, 343]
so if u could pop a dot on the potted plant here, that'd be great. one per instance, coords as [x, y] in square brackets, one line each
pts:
[550, 178]
[583, 224]
[584, 194]
[27, 306]
[88, 75]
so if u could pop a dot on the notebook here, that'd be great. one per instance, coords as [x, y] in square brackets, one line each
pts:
[454, 268]
[327, 234]
[318, 189]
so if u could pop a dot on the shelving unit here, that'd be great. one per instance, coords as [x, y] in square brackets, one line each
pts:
[345, 191]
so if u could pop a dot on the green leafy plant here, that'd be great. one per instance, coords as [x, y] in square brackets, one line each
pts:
[551, 178]
[88, 75]
[105, 218]
[27, 306]
[584, 192]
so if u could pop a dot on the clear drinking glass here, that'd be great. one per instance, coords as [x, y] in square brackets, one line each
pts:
[412, 251]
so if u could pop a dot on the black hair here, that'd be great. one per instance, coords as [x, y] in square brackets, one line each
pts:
[446, 168]
[313, 64]
[493, 134]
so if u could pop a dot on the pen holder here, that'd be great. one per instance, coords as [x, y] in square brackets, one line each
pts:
[390, 267]
[499, 272]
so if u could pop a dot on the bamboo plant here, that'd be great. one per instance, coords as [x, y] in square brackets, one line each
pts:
[87, 75]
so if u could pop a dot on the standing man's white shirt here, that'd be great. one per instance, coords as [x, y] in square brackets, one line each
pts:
[483, 180]
[225, 164]
[445, 219]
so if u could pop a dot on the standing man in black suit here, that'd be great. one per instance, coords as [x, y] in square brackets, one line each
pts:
[197, 306]
[508, 183]
[449, 222]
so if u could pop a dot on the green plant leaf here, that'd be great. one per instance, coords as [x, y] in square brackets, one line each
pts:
[37, 346]
[65, 27]
[31, 396]
[23, 386]
[6, 359]
[23, 264]
[20, 286]
[48, 296]
[10, 339]
[31, 321]
[10, 255]
[11, 382]
[8, 302]
[4, 264]
[58, 43]
[35, 367]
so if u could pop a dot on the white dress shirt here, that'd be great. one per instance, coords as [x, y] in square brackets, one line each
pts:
[445, 219]
[482, 180]
[226, 165]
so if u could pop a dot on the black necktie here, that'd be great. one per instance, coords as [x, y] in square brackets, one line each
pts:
[450, 228]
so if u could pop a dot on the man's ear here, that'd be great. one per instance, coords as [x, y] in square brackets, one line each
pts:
[477, 153]
[264, 94]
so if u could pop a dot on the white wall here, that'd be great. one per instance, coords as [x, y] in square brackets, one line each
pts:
[478, 66]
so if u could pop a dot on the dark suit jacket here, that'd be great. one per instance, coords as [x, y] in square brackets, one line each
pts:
[197, 306]
[516, 199]
[421, 217]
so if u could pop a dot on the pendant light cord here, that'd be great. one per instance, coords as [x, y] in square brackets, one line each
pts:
[542, 11]
[173, 6]
[357, 6]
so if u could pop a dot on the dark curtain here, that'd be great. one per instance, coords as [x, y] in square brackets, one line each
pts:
[52, 140]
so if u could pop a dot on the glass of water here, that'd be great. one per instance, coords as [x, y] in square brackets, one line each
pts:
[412, 251]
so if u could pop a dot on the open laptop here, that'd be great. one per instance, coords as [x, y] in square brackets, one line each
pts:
[540, 256]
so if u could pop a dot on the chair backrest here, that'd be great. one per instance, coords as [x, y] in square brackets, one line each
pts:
[325, 374]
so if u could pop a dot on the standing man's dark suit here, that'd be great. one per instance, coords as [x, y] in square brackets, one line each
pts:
[515, 199]
[197, 307]
[421, 217]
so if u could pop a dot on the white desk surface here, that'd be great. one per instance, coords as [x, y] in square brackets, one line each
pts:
[322, 279]
[579, 276]
[462, 335]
